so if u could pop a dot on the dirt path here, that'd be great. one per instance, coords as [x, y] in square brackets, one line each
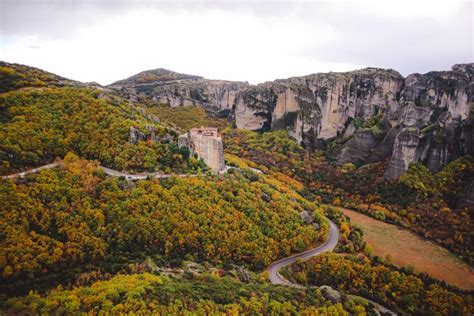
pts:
[406, 248]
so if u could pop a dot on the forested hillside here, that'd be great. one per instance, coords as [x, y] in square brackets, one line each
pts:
[15, 76]
[38, 125]
[184, 118]
[63, 221]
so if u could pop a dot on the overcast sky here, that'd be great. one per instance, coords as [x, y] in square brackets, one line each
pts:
[108, 40]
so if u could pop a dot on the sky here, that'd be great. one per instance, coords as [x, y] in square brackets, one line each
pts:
[254, 41]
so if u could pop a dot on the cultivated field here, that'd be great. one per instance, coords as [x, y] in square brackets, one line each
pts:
[405, 248]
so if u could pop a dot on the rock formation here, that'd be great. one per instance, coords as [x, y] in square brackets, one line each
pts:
[404, 151]
[466, 200]
[376, 113]
[176, 89]
[207, 144]
[135, 135]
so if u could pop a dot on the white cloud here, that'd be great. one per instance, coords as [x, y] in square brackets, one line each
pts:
[234, 42]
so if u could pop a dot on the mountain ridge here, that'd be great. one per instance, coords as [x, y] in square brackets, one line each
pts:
[362, 116]
[372, 114]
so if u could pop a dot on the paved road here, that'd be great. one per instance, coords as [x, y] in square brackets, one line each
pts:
[273, 271]
[276, 278]
[35, 170]
[141, 176]
[108, 171]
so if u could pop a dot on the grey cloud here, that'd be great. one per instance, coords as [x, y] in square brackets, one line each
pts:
[407, 45]
[61, 19]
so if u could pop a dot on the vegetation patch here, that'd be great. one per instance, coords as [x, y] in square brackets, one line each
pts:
[185, 117]
[146, 293]
[401, 291]
[40, 126]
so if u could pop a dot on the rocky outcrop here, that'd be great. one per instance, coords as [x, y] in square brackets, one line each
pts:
[135, 135]
[207, 144]
[330, 293]
[306, 217]
[175, 89]
[376, 113]
[439, 104]
[358, 147]
[404, 150]
[466, 200]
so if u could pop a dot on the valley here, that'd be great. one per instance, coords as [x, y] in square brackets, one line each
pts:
[137, 200]
[236, 158]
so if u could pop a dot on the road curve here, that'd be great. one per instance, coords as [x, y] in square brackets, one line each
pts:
[273, 270]
[276, 278]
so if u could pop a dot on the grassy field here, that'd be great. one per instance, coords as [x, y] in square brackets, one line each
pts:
[405, 248]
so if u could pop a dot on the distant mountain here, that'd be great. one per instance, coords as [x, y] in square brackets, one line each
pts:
[177, 89]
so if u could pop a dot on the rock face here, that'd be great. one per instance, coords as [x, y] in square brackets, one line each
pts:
[404, 151]
[436, 117]
[135, 135]
[356, 149]
[330, 293]
[467, 198]
[176, 89]
[377, 113]
[207, 144]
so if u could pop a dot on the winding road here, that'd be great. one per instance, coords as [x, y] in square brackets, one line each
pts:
[108, 171]
[276, 278]
[273, 271]
[115, 173]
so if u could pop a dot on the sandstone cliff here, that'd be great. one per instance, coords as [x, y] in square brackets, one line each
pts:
[376, 114]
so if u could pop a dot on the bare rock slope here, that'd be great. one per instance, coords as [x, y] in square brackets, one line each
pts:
[376, 113]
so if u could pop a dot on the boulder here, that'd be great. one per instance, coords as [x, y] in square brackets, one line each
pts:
[306, 217]
[135, 135]
[330, 293]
